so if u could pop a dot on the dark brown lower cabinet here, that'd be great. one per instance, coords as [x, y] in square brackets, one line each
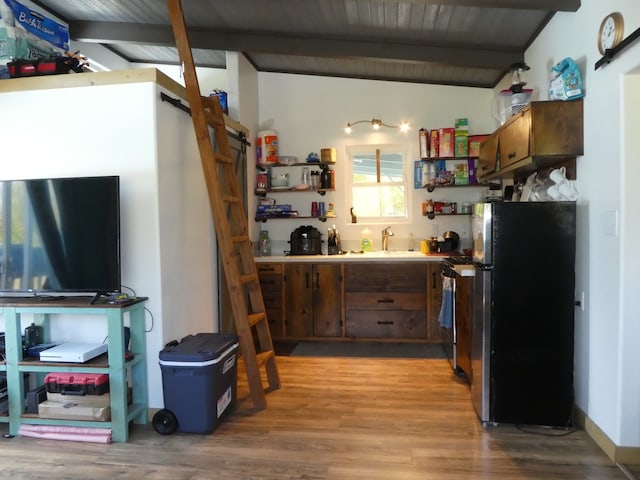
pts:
[313, 300]
[270, 275]
[388, 300]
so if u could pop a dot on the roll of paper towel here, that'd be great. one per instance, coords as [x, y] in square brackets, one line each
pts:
[267, 147]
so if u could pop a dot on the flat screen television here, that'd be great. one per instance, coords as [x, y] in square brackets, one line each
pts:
[60, 235]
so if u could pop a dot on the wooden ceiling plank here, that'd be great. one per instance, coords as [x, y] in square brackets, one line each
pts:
[546, 5]
[110, 32]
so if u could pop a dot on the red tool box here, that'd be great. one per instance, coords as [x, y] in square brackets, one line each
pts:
[77, 383]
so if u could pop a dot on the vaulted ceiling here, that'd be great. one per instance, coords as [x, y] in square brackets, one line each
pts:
[448, 42]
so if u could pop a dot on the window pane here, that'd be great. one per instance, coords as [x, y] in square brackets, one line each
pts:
[364, 168]
[379, 201]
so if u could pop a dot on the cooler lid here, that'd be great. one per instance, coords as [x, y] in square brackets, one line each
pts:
[200, 347]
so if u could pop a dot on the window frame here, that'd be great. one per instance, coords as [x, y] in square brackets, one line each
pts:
[397, 148]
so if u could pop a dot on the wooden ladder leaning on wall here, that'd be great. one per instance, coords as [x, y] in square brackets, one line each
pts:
[230, 222]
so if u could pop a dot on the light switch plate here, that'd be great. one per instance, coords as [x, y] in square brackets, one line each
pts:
[611, 223]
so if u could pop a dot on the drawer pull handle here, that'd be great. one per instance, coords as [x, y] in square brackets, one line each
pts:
[512, 154]
[385, 322]
[385, 300]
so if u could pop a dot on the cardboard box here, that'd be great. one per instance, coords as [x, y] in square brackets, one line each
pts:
[447, 142]
[471, 169]
[30, 33]
[97, 401]
[71, 409]
[462, 146]
[434, 143]
[462, 126]
[474, 144]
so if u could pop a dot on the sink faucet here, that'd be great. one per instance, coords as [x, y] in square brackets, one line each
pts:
[386, 233]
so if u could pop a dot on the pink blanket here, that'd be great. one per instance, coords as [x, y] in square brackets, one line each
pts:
[60, 432]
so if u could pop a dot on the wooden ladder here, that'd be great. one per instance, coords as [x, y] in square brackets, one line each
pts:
[230, 222]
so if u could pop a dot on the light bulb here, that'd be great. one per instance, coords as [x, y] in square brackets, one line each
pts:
[348, 129]
[404, 127]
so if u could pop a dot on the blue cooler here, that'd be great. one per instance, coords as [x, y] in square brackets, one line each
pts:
[199, 377]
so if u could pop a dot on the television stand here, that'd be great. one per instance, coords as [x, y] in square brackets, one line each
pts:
[124, 371]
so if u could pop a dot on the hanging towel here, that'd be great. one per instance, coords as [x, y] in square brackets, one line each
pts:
[446, 310]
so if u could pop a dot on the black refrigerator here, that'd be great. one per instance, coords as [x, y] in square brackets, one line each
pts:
[523, 312]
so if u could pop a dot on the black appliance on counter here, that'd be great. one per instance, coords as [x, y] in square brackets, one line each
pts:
[306, 240]
[523, 312]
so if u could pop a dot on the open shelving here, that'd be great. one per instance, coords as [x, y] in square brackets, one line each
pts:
[112, 363]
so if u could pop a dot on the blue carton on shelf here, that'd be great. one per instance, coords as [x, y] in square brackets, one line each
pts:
[199, 380]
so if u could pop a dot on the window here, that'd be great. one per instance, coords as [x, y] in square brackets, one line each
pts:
[379, 181]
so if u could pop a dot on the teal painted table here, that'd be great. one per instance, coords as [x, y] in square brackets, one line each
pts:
[113, 362]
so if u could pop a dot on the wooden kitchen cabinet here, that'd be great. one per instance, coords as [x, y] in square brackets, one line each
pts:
[434, 293]
[270, 276]
[386, 300]
[313, 300]
[488, 156]
[542, 135]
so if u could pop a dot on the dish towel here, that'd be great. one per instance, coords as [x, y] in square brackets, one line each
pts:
[446, 310]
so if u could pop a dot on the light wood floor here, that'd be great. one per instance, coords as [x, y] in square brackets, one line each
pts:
[333, 418]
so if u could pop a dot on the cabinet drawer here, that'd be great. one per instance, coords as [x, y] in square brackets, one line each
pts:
[388, 277]
[269, 268]
[270, 283]
[386, 324]
[385, 301]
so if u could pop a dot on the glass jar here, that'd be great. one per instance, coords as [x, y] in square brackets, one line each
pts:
[264, 245]
[306, 178]
[315, 180]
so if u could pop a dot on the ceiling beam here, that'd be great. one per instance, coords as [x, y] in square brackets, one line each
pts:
[260, 42]
[545, 5]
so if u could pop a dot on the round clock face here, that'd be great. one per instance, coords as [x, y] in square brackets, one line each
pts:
[610, 33]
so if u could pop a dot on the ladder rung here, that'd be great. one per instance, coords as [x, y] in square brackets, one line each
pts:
[264, 357]
[211, 119]
[221, 158]
[240, 239]
[230, 199]
[255, 318]
[244, 279]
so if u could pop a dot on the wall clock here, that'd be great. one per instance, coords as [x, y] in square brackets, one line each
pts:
[611, 31]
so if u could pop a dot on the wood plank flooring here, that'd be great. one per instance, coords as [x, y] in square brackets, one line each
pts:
[333, 418]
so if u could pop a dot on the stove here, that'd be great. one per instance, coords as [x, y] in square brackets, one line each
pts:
[459, 260]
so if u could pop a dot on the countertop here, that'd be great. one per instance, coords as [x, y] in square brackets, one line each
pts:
[392, 256]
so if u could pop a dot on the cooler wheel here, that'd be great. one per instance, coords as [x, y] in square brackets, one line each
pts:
[165, 422]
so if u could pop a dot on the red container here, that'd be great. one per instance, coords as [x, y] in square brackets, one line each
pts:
[77, 383]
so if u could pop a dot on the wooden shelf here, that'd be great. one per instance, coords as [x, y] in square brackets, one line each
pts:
[113, 362]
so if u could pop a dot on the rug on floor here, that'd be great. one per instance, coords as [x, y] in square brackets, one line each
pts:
[366, 349]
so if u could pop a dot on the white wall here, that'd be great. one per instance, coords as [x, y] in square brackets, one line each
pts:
[209, 79]
[607, 331]
[310, 112]
[166, 237]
